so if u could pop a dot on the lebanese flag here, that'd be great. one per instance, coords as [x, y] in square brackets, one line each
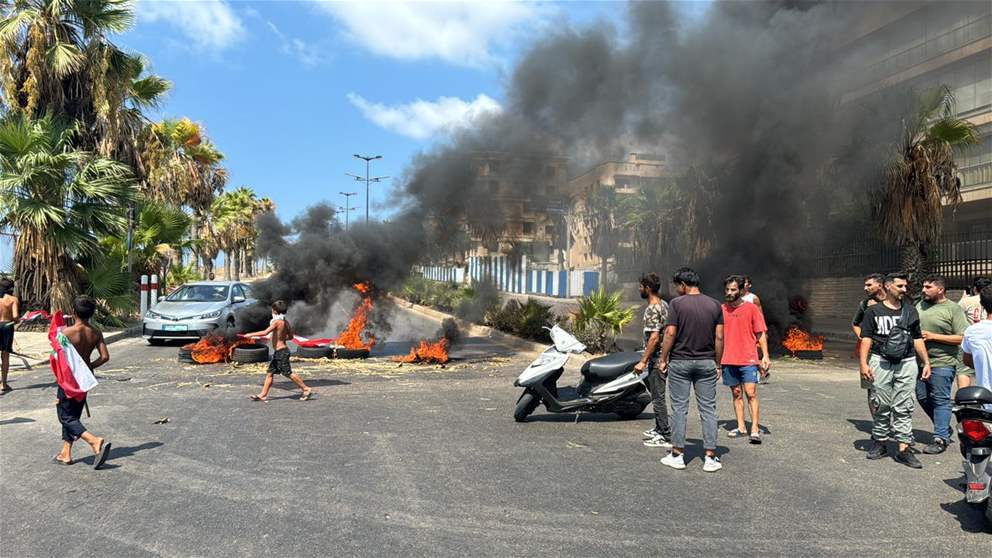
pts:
[299, 340]
[71, 372]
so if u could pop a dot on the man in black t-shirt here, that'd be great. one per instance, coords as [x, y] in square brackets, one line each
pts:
[894, 380]
[694, 343]
[874, 293]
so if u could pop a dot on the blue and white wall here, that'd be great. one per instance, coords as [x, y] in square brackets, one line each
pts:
[515, 276]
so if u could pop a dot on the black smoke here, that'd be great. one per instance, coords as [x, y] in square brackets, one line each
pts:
[747, 100]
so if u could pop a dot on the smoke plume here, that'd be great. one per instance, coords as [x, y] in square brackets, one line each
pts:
[745, 100]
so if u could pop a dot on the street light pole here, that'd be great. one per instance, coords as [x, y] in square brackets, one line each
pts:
[347, 206]
[368, 159]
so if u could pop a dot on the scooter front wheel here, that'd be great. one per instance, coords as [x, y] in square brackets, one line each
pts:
[525, 406]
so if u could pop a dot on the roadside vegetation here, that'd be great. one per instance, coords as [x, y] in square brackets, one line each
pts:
[95, 192]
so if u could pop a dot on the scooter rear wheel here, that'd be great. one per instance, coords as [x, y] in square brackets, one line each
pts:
[525, 406]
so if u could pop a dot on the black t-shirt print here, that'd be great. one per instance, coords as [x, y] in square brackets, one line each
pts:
[878, 322]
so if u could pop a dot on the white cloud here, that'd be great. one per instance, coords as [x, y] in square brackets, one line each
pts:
[461, 33]
[422, 119]
[207, 23]
[306, 53]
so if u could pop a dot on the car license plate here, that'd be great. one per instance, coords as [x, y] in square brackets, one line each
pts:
[171, 327]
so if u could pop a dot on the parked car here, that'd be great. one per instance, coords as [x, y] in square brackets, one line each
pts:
[195, 309]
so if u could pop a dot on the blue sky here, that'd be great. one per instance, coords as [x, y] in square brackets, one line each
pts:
[289, 90]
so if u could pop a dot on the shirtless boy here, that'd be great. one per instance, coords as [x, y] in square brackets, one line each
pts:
[281, 332]
[85, 338]
[10, 312]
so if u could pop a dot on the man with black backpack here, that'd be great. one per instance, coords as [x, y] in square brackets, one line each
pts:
[891, 341]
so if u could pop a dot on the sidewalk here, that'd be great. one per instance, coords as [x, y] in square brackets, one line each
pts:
[33, 347]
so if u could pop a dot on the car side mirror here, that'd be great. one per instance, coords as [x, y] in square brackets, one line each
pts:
[161, 298]
[238, 299]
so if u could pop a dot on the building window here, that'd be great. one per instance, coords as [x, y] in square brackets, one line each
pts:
[549, 230]
[528, 227]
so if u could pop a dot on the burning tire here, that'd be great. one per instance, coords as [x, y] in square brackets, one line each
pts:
[250, 355]
[341, 352]
[314, 352]
[186, 356]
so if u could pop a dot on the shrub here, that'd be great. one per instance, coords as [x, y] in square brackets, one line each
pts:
[600, 320]
[526, 320]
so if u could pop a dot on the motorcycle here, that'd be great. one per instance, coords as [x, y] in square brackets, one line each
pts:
[609, 383]
[974, 416]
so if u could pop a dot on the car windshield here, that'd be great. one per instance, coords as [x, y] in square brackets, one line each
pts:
[199, 293]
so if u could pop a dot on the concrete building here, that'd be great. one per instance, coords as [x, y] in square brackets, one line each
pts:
[923, 44]
[528, 191]
[624, 178]
[918, 45]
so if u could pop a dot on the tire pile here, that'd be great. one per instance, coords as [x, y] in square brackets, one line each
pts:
[260, 353]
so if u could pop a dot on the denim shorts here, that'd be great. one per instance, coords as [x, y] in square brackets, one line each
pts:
[736, 375]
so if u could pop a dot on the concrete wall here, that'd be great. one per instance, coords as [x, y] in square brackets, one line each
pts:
[833, 298]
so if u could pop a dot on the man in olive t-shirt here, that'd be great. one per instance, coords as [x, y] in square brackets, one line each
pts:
[943, 323]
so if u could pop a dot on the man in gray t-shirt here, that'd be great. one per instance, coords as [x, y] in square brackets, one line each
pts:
[692, 347]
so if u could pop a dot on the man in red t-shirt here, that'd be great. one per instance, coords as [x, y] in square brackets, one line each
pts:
[743, 326]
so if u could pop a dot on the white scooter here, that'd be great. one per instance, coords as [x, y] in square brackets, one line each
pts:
[609, 383]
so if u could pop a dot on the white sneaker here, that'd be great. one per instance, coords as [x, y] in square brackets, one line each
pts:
[658, 441]
[649, 433]
[711, 464]
[674, 461]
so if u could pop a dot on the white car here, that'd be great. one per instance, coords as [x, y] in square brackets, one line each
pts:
[195, 309]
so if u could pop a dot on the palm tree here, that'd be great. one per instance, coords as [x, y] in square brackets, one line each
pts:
[649, 217]
[62, 200]
[160, 230]
[233, 215]
[183, 168]
[921, 178]
[57, 58]
[599, 218]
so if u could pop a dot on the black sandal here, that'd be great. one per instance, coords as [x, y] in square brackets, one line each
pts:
[102, 455]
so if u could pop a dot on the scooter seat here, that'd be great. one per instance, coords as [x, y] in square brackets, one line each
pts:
[973, 395]
[610, 367]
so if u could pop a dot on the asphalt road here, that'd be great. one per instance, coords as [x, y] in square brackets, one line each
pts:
[391, 460]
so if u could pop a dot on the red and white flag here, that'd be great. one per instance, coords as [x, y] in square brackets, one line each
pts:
[71, 371]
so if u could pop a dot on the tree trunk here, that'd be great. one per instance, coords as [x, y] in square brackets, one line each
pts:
[913, 257]
[195, 236]
[227, 266]
[237, 264]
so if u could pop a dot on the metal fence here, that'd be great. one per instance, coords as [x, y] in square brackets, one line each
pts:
[960, 257]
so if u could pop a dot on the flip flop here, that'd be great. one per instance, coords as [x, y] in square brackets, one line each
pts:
[306, 395]
[735, 433]
[6, 389]
[102, 456]
[755, 439]
[257, 398]
[57, 461]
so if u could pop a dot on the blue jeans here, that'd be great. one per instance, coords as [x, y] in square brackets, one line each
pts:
[934, 396]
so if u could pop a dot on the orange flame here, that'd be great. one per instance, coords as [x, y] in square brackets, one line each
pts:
[427, 353]
[351, 337]
[799, 340]
[212, 349]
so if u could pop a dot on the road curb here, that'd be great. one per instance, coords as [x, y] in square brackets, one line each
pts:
[132, 331]
[472, 329]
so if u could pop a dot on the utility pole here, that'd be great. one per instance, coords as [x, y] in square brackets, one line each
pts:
[347, 206]
[368, 159]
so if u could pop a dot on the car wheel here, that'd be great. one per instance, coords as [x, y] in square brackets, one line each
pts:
[230, 322]
[341, 352]
[250, 355]
[314, 352]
